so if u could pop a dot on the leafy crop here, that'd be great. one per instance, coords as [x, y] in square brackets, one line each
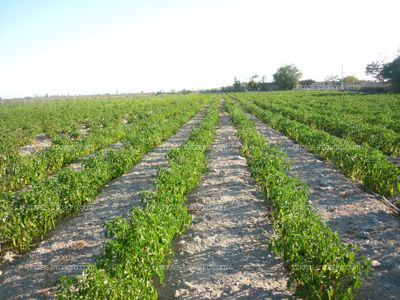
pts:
[27, 215]
[106, 122]
[359, 162]
[319, 265]
[140, 246]
[341, 126]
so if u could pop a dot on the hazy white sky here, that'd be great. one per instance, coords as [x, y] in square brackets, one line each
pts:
[86, 47]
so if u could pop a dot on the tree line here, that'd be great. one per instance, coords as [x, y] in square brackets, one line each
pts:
[385, 72]
[288, 76]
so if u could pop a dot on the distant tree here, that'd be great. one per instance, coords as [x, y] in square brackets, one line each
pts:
[237, 85]
[307, 82]
[263, 79]
[391, 71]
[286, 77]
[253, 83]
[263, 85]
[374, 70]
[351, 79]
[332, 79]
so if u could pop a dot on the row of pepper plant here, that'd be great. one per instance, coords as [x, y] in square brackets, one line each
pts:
[140, 247]
[378, 137]
[107, 122]
[27, 215]
[381, 110]
[359, 162]
[320, 266]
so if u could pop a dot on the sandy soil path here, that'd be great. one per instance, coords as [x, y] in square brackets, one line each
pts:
[358, 216]
[77, 239]
[224, 255]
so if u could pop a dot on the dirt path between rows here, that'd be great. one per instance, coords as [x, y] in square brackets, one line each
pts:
[224, 255]
[77, 239]
[359, 217]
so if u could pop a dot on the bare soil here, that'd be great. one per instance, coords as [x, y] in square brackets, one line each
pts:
[78, 239]
[359, 217]
[395, 160]
[39, 143]
[224, 255]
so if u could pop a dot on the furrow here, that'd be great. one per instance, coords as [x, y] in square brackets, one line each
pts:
[358, 216]
[225, 255]
[78, 239]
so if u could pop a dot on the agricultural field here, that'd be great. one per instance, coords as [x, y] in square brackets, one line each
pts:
[242, 195]
[78, 159]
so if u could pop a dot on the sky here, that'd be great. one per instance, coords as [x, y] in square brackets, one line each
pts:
[94, 46]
